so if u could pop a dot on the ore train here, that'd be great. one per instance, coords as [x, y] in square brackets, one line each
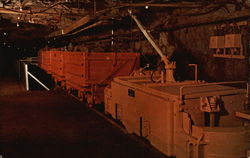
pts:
[86, 74]
[189, 119]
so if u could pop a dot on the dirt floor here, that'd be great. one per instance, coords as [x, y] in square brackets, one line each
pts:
[41, 124]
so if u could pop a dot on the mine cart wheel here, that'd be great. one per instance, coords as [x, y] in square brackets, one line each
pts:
[90, 100]
[81, 95]
[90, 105]
[57, 85]
[68, 89]
[63, 85]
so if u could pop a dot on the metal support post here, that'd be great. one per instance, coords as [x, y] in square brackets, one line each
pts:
[26, 77]
[27, 74]
[195, 71]
[38, 81]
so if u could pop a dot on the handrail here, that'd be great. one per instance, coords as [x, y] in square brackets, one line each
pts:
[195, 71]
[208, 84]
[27, 74]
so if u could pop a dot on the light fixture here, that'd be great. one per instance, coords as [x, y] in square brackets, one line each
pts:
[146, 7]
[17, 24]
[4, 33]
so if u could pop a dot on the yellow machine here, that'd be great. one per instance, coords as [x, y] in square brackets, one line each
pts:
[187, 119]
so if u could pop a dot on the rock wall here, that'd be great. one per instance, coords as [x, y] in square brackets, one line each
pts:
[190, 36]
[195, 41]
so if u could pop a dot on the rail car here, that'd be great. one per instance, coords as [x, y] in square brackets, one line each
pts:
[44, 61]
[58, 66]
[188, 119]
[87, 74]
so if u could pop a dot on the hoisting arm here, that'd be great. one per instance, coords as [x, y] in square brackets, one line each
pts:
[169, 66]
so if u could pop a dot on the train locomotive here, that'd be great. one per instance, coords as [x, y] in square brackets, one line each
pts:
[187, 119]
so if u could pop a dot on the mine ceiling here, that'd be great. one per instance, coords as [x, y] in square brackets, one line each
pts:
[48, 20]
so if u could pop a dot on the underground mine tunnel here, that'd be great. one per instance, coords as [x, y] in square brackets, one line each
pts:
[124, 78]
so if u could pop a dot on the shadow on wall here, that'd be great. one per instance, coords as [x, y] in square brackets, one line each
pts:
[221, 69]
[183, 59]
[7, 64]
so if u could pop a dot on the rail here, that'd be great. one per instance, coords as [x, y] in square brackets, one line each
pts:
[208, 84]
[30, 60]
[27, 74]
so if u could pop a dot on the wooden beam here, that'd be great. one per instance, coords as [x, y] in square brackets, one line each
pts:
[169, 5]
[17, 12]
[88, 27]
[74, 26]
[186, 22]
[242, 115]
[77, 24]
[6, 11]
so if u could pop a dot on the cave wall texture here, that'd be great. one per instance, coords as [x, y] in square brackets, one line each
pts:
[188, 31]
[195, 41]
[192, 46]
